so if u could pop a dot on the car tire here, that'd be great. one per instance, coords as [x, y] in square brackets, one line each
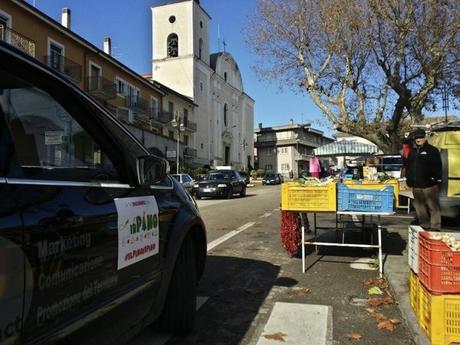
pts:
[243, 192]
[230, 193]
[180, 307]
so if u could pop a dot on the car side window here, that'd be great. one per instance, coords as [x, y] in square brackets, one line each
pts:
[49, 143]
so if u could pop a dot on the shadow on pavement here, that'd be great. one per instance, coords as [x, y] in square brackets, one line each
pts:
[236, 289]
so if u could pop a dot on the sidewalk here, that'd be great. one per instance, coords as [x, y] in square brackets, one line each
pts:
[396, 270]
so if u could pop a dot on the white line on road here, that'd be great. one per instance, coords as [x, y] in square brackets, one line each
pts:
[265, 215]
[224, 238]
[276, 209]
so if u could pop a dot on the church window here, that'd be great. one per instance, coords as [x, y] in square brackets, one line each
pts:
[200, 48]
[225, 113]
[173, 45]
[225, 76]
[201, 24]
[172, 19]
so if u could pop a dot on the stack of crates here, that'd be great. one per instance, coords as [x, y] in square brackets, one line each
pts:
[435, 291]
[412, 258]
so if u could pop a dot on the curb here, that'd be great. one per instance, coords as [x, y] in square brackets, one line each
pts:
[397, 274]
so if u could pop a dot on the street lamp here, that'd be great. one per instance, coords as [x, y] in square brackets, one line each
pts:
[177, 122]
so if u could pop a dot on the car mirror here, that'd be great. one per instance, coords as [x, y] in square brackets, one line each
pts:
[151, 169]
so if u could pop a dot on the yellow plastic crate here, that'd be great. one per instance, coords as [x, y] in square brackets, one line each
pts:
[439, 317]
[376, 185]
[308, 198]
[414, 293]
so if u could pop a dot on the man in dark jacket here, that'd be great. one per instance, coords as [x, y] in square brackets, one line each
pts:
[424, 173]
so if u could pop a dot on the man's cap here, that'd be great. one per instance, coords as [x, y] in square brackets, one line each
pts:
[419, 133]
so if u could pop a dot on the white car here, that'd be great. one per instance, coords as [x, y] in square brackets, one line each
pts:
[185, 180]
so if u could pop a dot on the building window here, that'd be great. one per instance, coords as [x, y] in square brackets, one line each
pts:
[121, 86]
[172, 19]
[154, 108]
[268, 167]
[201, 86]
[171, 134]
[225, 76]
[200, 48]
[55, 55]
[201, 24]
[201, 146]
[185, 117]
[171, 108]
[186, 140]
[225, 114]
[284, 167]
[5, 22]
[173, 45]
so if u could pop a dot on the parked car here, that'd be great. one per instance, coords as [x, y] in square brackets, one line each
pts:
[185, 180]
[221, 183]
[245, 176]
[93, 230]
[272, 178]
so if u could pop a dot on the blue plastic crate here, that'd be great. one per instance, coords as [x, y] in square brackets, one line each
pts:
[366, 200]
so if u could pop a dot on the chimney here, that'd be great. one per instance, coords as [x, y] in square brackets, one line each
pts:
[65, 19]
[107, 45]
[291, 121]
[260, 125]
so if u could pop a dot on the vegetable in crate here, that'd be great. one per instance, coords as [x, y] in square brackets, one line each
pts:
[291, 236]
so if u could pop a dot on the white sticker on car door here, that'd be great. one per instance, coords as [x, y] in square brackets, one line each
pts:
[138, 235]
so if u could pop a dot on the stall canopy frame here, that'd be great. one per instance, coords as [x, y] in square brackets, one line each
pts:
[345, 148]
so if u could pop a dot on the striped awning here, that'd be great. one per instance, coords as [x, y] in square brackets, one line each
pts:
[345, 148]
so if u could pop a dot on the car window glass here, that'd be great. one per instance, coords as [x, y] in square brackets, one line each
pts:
[187, 178]
[49, 143]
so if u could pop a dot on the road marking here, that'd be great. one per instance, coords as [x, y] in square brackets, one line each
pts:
[300, 324]
[152, 337]
[367, 264]
[224, 238]
[276, 209]
[267, 214]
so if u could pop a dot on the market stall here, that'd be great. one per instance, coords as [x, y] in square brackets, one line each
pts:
[345, 197]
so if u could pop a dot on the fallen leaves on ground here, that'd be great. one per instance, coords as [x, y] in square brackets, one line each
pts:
[375, 290]
[380, 282]
[354, 336]
[387, 324]
[278, 336]
[301, 291]
[376, 301]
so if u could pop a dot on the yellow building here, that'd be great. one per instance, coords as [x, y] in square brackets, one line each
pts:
[147, 108]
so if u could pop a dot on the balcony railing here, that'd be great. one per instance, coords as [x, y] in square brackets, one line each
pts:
[65, 66]
[162, 117]
[190, 125]
[16, 39]
[101, 88]
[137, 104]
[189, 152]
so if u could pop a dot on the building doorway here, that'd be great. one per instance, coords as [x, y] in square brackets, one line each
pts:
[227, 156]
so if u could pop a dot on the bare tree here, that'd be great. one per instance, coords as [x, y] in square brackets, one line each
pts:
[371, 66]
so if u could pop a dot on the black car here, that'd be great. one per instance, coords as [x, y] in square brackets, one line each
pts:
[272, 178]
[221, 183]
[245, 176]
[96, 239]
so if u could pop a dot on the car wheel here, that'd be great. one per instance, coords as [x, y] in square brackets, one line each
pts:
[230, 193]
[180, 308]
[243, 192]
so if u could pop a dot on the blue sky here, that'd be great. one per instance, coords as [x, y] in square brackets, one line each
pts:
[129, 25]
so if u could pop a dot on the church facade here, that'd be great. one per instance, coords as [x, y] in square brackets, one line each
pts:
[182, 61]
